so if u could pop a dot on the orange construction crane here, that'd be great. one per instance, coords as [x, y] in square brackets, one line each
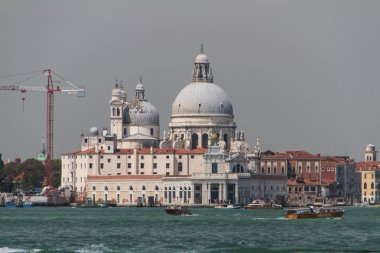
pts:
[68, 88]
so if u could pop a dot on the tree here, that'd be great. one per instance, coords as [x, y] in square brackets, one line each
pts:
[11, 171]
[33, 174]
[56, 173]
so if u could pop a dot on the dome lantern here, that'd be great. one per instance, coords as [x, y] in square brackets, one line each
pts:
[202, 71]
[140, 91]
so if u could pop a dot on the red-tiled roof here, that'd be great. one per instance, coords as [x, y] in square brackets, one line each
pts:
[363, 165]
[301, 155]
[275, 156]
[293, 182]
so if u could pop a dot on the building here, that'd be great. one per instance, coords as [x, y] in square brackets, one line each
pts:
[369, 173]
[202, 160]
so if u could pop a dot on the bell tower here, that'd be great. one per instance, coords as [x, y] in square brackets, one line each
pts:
[117, 103]
[370, 153]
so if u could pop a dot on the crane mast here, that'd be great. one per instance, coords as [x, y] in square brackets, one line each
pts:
[49, 130]
[50, 90]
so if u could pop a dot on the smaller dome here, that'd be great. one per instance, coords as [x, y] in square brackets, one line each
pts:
[94, 131]
[201, 58]
[116, 92]
[141, 113]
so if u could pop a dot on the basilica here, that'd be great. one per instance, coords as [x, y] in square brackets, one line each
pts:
[201, 159]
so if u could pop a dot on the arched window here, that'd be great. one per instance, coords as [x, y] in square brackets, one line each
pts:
[113, 111]
[118, 188]
[130, 188]
[173, 192]
[372, 186]
[182, 136]
[365, 185]
[118, 111]
[106, 188]
[156, 187]
[194, 141]
[179, 166]
[94, 188]
[180, 192]
[204, 140]
[143, 188]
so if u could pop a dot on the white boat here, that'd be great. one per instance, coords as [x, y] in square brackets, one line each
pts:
[260, 204]
[230, 206]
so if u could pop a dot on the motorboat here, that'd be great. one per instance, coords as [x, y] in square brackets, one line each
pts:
[312, 212]
[178, 210]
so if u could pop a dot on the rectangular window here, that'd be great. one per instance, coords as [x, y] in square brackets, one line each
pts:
[154, 157]
[118, 174]
[167, 157]
[142, 173]
[154, 165]
[142, 165]
[90, 165]
[85, 140]
[118, 157]
[101, 157]
[129, 173]
[118, 165]
[108, 160]
[129, 165]
[109, 147]
[168, 173]
[168, 165]
[100, 140]
[101, 165]
[151, 131]
[125, 131]
[214, 168]
[192, 156]
[180, 157]
[90, 156]
[155, 173]
[129, 157]
[142, 157]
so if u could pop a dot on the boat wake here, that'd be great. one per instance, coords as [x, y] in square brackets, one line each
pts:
[10, 250]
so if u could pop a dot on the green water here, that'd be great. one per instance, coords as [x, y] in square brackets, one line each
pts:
[40, 229]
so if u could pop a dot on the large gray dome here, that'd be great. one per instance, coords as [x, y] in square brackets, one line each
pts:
[140, 112]
[202, 98]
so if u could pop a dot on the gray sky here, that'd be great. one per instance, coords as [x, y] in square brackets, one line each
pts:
[300, 74]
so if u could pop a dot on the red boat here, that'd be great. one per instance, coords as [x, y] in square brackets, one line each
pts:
[178, 210]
